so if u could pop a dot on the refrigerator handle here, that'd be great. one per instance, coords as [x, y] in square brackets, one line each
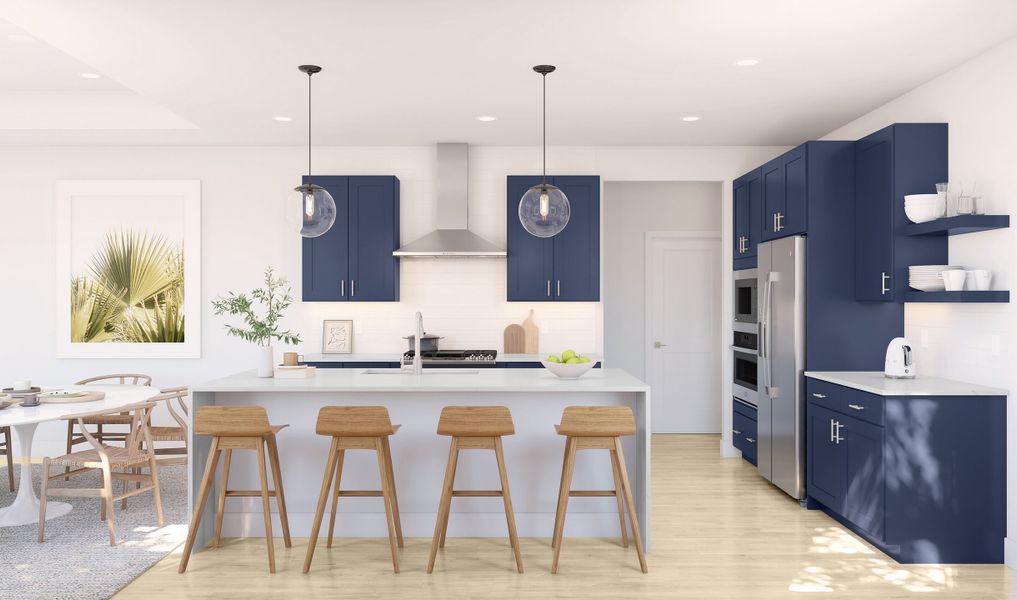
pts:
[771, 278]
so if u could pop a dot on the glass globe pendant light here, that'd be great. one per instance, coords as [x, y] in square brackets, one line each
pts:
[317, 207]
[544, 209]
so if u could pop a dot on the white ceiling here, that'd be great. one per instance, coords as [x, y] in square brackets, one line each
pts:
[408, 72]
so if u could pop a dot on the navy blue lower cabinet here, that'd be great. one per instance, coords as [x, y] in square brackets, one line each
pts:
[744, 429]
[922, 478]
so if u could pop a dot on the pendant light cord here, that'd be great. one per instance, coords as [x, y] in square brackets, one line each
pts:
[543, 177]
[309, 128]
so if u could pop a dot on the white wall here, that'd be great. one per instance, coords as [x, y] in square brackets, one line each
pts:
[632, 209]
[970, 342]
[243, 231]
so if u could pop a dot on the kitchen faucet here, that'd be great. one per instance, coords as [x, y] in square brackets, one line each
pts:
[417, 361]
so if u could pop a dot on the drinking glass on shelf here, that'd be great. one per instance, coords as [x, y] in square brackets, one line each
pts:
[943, 191]
[977, 205]
[965, 205]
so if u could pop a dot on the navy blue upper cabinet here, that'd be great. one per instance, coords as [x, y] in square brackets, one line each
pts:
[891, 163]
[565, 267]
[785, 194]
[747, 216]
[353, 260]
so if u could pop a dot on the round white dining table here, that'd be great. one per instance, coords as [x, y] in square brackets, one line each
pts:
[25, 508]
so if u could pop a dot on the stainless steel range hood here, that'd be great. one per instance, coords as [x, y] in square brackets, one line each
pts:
[451, 239]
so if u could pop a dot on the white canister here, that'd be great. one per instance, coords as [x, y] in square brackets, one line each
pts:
[266, 361]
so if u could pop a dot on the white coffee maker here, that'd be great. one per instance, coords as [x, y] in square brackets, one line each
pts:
[899, 363]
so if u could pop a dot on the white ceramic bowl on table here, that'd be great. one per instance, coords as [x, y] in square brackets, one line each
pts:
[573, 371]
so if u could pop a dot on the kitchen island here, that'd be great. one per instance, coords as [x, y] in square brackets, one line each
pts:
[533, 455]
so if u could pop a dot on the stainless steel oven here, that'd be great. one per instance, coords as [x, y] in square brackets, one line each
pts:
[745, 353]
[745, 296]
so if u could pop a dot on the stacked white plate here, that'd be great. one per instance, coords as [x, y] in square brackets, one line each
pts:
[927, 277]
[920, 208]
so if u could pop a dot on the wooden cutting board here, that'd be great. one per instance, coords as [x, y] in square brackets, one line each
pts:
[515, 340]
[532, 345]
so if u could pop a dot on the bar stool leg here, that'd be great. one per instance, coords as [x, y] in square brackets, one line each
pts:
[510, 517]
[446, 501]
[386, 492]
[561, 488]
[199, 507]
[392, 487]
[636, 537]
[265, 508]
[615, 468]
[220, 508]
[335, 494]
[280, 496]
[563, 502]
[444, 524]
[326, 483]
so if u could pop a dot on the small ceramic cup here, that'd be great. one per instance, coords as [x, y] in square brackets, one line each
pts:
[979, 279]
[290, 359]
[954, 279]
[29, 400]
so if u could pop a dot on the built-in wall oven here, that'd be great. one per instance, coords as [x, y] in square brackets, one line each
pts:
[745, 351]
[745, 296]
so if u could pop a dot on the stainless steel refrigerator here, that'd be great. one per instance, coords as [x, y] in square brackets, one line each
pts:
[781, 364]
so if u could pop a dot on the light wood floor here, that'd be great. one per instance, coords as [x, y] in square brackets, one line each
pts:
[719, 531]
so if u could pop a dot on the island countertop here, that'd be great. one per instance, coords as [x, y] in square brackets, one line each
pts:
[484, 380]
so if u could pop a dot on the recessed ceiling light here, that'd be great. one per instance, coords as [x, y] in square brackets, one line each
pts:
[91, 76]
[283, 119]
[690, 118]
[487, 118]
[747, 62]
[20, 38]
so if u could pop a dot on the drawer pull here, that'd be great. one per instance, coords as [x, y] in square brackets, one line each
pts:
[818, 395]
[736, 432]
[750, 440]
[856, 406]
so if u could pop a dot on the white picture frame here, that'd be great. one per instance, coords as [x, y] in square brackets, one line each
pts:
[337, 336]
[166, 208]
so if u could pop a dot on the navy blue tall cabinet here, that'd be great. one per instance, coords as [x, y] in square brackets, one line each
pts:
[353, 260]
[747, 215]
[563, 268]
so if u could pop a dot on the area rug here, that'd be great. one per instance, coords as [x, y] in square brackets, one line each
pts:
[76, 561]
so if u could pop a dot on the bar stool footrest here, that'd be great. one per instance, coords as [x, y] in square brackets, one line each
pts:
[477, 493]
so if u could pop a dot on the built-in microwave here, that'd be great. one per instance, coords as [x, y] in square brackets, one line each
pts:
[745, 296]
[744, 353]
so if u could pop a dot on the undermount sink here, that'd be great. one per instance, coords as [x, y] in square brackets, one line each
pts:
[425, 372]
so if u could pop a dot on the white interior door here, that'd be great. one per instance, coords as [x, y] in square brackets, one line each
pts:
[682, 330]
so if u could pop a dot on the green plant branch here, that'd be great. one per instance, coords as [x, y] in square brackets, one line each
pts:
[276, 297]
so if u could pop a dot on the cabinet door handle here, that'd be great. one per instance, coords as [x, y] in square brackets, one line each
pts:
[818, 395]
[353, 288]
[883, 286]
[342, 289]
[750, 440]
[856, 406]
[548, 288]
[832, 428]
[559, 288]
[775, 222]
[780, 217]
[736, 432]
[836, 432]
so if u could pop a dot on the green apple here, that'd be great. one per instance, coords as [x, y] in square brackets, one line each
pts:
[553, 358]
[584, 359]
[573, 361]
[567, 354]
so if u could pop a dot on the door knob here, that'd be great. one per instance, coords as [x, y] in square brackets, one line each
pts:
[659, 344]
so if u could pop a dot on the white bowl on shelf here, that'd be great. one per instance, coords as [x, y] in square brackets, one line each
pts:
[573, 371]
[921, 208]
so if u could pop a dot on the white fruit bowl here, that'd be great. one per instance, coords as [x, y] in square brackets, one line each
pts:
[573, 371]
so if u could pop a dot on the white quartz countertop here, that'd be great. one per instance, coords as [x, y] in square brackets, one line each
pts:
[484, 380]
[397, 356]
[875, 382]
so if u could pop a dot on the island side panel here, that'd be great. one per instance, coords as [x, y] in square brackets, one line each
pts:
[198, 449]
[533, 460]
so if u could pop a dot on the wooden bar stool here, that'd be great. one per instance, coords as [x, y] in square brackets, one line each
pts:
[356, 428]
[596, 428]
[474, 428]
[238, 428]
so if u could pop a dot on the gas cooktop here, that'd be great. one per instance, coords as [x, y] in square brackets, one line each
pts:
[453, 358]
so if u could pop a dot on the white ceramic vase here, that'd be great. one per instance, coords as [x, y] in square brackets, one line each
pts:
[266, 361]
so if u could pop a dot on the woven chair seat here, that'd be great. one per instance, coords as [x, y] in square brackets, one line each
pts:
[118, 457]
[108, 420]
[167, 434]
